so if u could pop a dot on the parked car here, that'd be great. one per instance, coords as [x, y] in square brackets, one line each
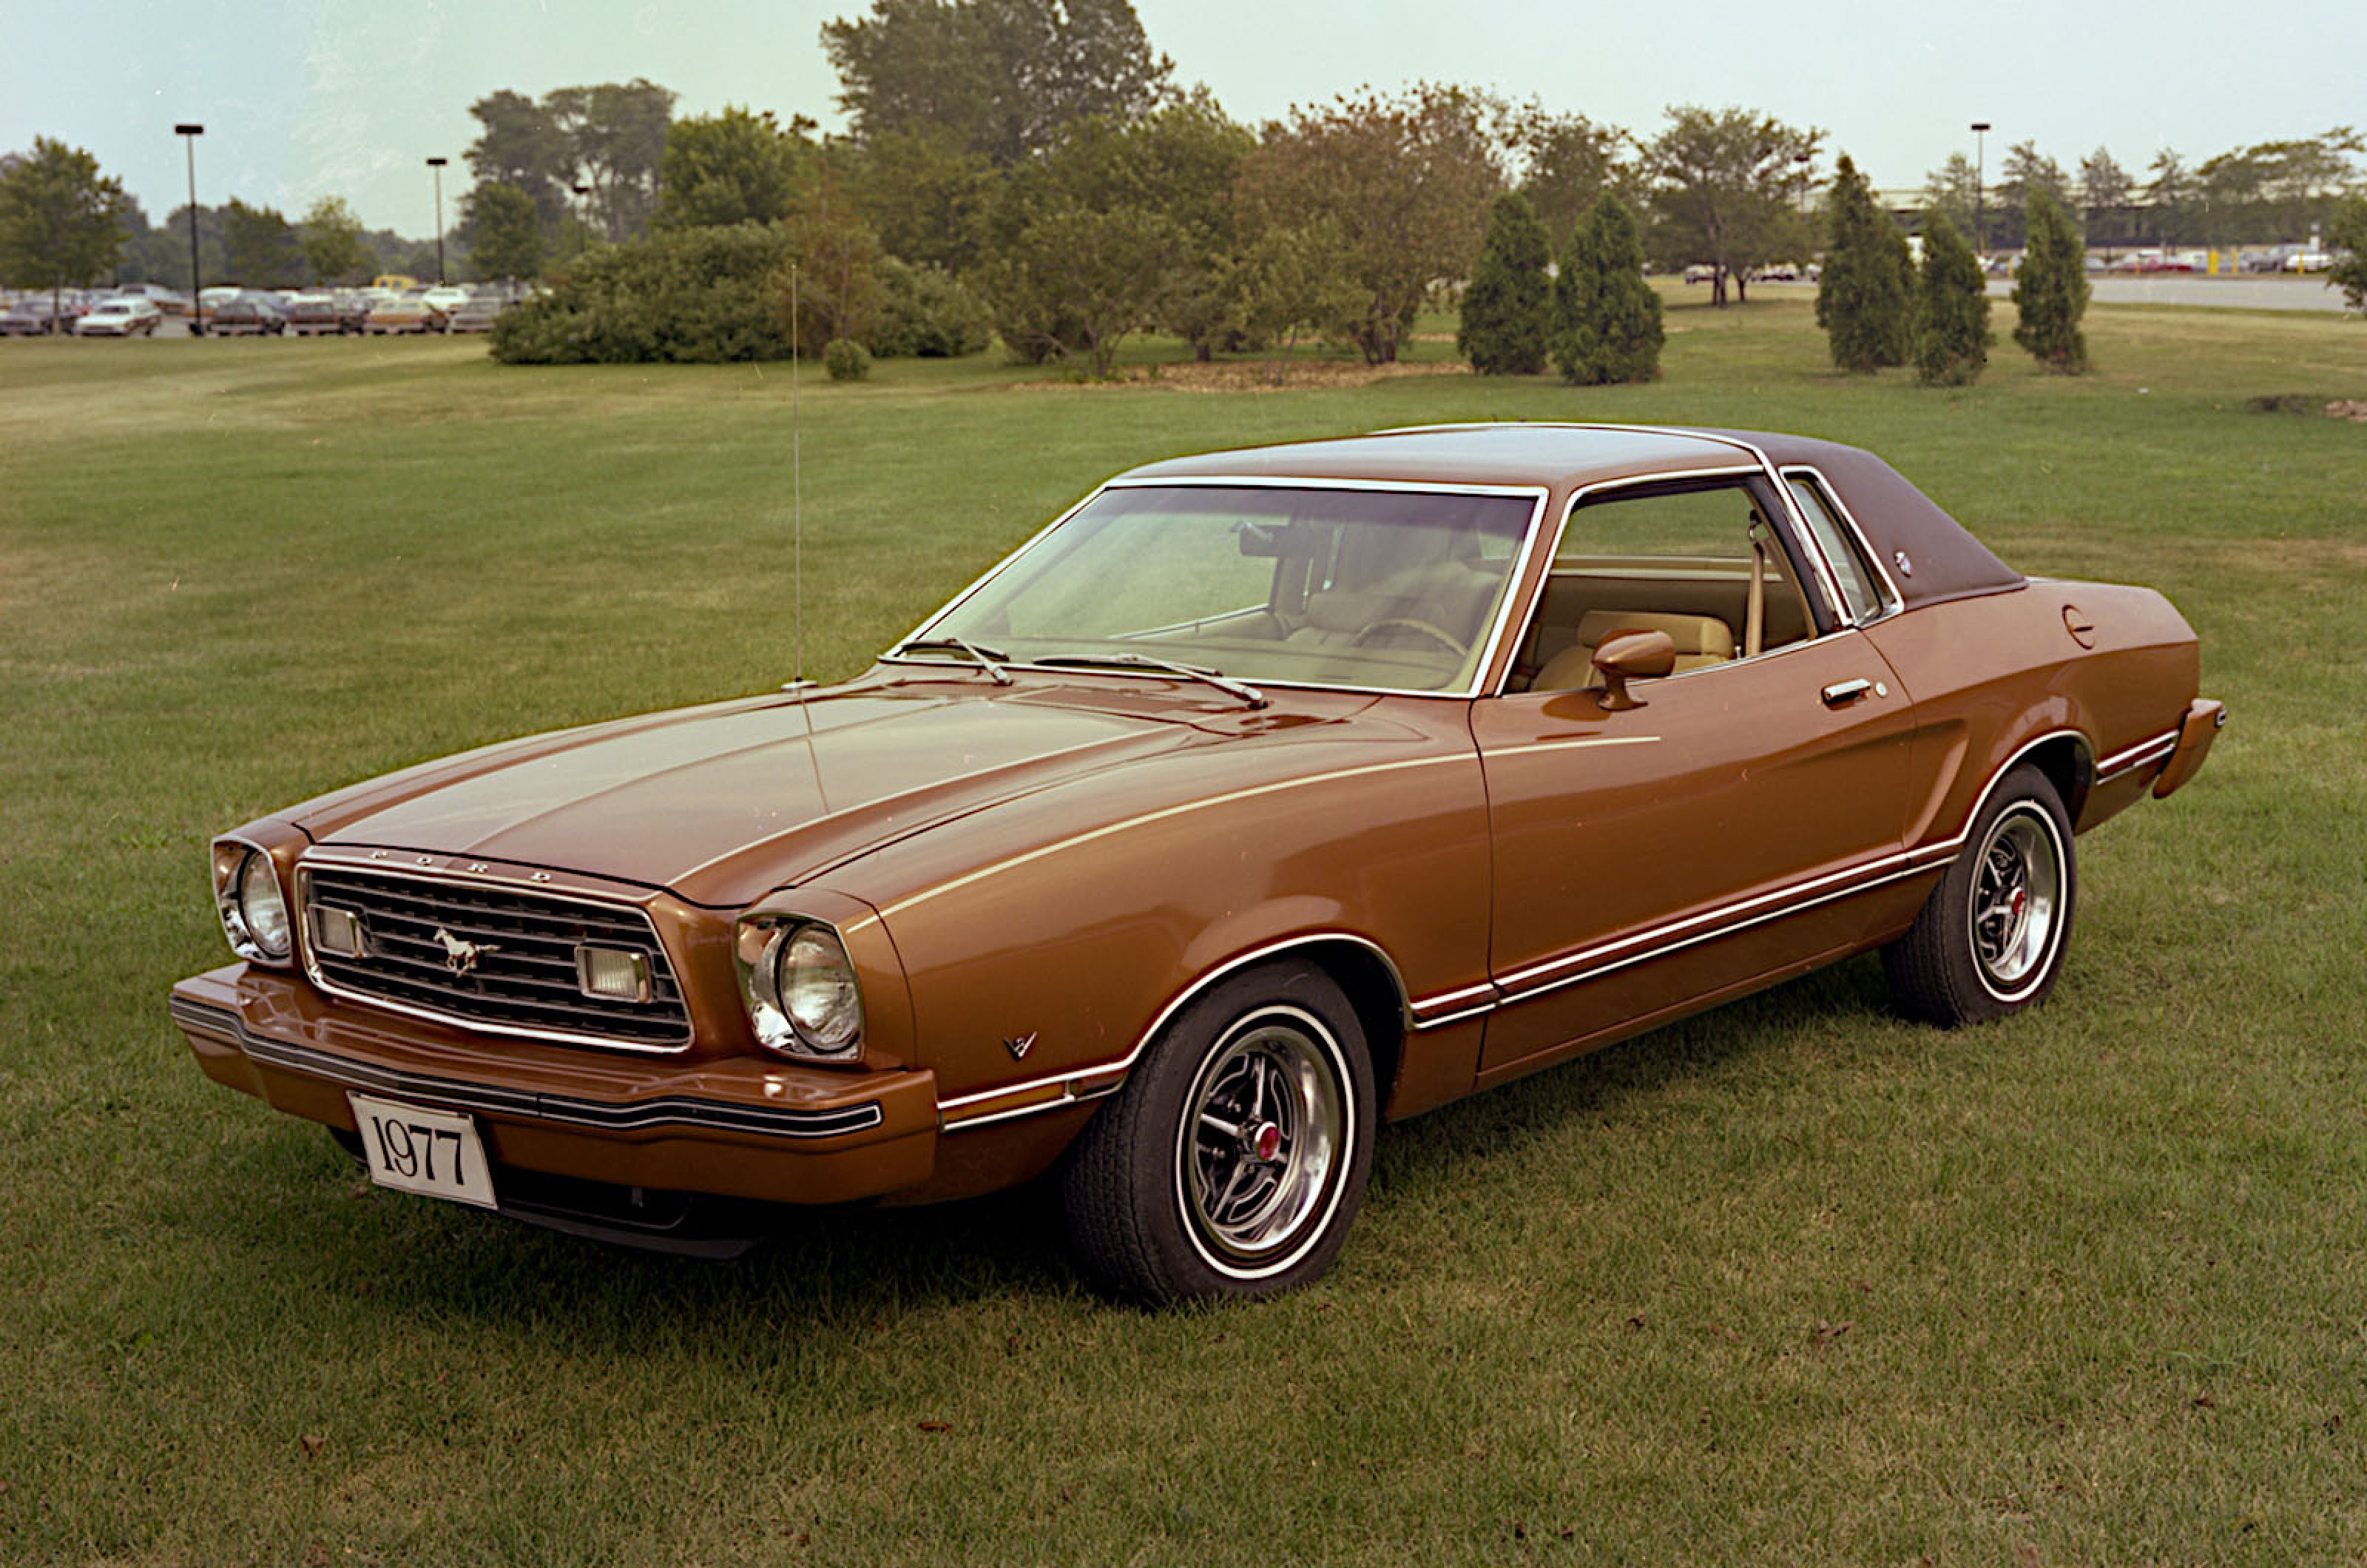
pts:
[122, 316]
[310, 315]
[476, 313]
[1265, 797]
[35, 315]
[171, 301]
[245, 316]
[2309, 261]
[446, 297]
[404, 313]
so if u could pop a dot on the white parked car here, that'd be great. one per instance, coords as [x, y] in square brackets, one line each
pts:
[447, 297]
[120, 317]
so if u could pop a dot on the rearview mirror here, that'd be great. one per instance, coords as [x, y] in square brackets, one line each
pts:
[1283, 541]
[1632, 655]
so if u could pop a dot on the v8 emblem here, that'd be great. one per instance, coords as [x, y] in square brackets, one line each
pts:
[1021, 1047]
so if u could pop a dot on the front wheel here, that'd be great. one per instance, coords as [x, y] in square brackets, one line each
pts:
[1990, 939]
[1234, 1159]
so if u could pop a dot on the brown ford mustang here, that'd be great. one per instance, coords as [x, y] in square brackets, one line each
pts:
[1265, 794]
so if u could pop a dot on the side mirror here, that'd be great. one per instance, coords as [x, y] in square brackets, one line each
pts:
[1628, 656]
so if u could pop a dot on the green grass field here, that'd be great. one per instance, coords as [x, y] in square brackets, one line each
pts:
[1791, 1283]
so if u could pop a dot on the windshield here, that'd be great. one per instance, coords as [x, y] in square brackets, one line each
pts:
[1394, 590]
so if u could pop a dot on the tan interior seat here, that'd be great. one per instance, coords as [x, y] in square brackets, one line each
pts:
[1701, 640]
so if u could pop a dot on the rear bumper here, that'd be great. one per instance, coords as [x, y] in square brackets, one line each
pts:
[2204, 718]
[735, 1127]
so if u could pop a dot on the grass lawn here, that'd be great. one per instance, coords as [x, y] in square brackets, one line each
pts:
[1791, 1283]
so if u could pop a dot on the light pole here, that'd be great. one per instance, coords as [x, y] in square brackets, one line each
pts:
[1802, 160]
[189, 134]
[582, 218]
[1980, 188]
[437, 164]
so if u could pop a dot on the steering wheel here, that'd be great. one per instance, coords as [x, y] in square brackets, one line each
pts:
[1408, 623]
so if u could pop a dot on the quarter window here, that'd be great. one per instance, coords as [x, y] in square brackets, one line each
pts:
[1856, 581]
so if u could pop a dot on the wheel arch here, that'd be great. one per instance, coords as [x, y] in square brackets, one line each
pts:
[1365, 972]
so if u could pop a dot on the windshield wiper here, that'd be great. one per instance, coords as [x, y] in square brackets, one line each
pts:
[1242, 689]
[991, 659]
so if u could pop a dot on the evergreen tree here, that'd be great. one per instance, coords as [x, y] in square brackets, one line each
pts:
[1508, 307]
[1606, 318]
[1862, 294]
[2050, 291]
[1951, 309]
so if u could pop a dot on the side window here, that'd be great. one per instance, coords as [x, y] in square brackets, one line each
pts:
[1697, 560]
[1859, 590]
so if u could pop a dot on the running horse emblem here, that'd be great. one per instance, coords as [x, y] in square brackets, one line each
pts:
[460, 957]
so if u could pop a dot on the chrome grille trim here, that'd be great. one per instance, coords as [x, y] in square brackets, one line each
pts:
[524, 981]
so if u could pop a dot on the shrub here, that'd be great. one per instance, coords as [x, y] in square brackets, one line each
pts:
[2050, 290]
[1507, 307]
[1606, 318]
[691, 295]
[846, 360]
[1863, 293]
[926, 313]
[1951, 309]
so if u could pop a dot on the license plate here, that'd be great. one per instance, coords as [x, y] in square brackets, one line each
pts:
[419, 1150]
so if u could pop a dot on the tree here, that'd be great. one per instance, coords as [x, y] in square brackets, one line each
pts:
[1508, 305]
[733, 167]
[1951, 309]
[2275, 189]
[60, 220]
[1002, 78]
[2346, 233]
[1077, 281]
[2104, 188]
[924, 194]
[1863, 293]
[1288, 282]
[1565, 161]
[1606, 318]
[265, 252]
[1721, 183]
[617, 134]
[1952, 191]
[1405, 182]
[2026, 170]
[2050, 291]
[837, 257]
[1179, 161]
[523, 146]
[508, 232]
[332, 244]
[2166, 195]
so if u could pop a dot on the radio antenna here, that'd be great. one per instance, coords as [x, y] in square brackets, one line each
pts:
[797, 503]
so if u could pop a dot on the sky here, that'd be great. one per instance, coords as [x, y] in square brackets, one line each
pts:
[305, 98]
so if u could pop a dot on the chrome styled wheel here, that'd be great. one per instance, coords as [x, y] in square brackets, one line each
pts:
[1990, 938]
[2017, 882]
[1259, 1155]
[1232, 1162]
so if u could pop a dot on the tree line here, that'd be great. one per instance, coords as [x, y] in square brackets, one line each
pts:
[1034, 169]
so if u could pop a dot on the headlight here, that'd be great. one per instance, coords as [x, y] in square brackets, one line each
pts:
[247, 896]
[799, 986]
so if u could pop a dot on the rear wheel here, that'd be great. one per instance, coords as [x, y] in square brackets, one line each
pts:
[1234, 1159]
[1990, 940]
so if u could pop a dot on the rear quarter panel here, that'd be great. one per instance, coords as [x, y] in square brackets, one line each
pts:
[2115, 666]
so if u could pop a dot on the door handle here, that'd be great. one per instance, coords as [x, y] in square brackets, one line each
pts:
[1841, 691]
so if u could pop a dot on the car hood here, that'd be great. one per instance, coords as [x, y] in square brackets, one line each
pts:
[721, 804]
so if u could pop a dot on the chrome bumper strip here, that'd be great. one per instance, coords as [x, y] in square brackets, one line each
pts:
[676, 1110]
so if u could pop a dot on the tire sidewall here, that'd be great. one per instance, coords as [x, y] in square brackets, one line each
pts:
[1152, 1113]
[2026, 792]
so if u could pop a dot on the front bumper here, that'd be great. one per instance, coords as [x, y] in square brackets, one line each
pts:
[730, 1127]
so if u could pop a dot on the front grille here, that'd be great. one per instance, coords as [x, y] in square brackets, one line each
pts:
[523, 977]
